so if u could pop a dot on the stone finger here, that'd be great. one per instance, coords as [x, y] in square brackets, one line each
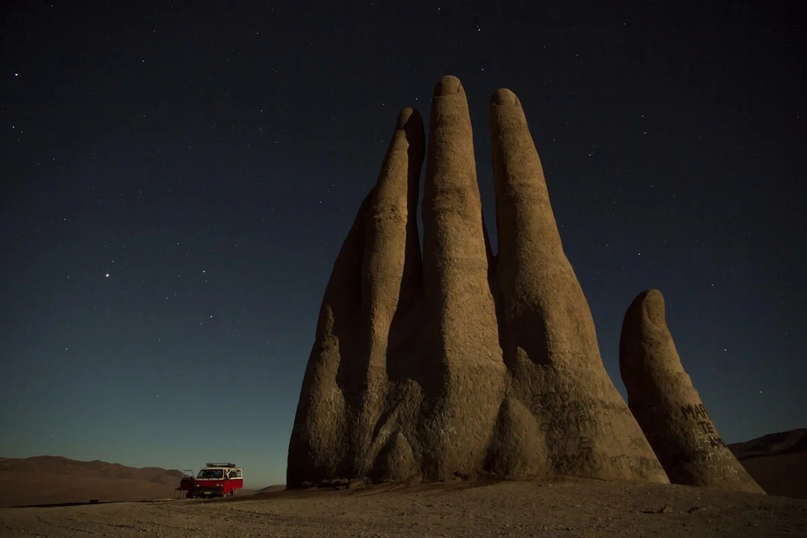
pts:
[548, 336]
[667, 406]
[462, 332]
[321, 423]
[391, 265]
[544, 309]
[455, 260]
[390, 273]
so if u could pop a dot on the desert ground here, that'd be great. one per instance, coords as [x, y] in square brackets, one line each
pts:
[48, 496]
[562, 508]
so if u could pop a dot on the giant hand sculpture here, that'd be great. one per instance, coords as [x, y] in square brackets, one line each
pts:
[459, 364]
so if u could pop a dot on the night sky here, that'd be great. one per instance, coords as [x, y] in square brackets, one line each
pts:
[176, 181]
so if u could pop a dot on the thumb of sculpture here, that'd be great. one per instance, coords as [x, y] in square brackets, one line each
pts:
[667, 406]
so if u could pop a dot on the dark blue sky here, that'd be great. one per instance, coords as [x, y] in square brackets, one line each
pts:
[176, 181]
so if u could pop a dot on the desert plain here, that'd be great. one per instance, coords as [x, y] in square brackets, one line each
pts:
[564, 507]
[559, 508]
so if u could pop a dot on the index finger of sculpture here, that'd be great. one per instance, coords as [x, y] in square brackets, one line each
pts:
[548, 337]
[527, 232]
[545, 311]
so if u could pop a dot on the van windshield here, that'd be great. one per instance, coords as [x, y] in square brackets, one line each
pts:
[211, 473]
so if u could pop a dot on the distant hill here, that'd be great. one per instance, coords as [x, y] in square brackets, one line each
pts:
[777, 461]
[56, 480]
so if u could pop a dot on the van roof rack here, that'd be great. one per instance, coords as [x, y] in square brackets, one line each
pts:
[230, 465]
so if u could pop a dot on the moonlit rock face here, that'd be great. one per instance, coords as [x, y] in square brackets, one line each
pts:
[667, 406]
[457, 364]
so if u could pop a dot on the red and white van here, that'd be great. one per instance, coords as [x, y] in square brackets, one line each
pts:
[215, 480]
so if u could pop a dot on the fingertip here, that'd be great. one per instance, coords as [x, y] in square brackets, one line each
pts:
[653, 307]
[448, 85]
[409, 118]
[503, 96]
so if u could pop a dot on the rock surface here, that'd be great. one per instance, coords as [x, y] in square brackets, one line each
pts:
[667, 406]
[547, 333]
[459, 364]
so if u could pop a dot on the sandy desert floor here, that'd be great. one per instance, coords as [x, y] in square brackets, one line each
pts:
[567, 508]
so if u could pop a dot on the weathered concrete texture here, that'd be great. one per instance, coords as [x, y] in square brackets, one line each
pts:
[458, 308]
[667, 406]
[345, 386]
[547, 332]
[459, 365]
